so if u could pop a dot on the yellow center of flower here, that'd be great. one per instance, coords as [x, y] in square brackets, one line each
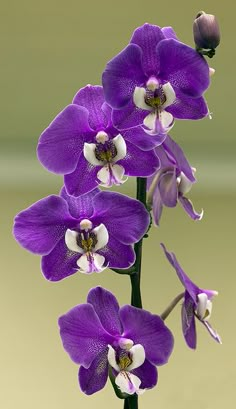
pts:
[124, 362]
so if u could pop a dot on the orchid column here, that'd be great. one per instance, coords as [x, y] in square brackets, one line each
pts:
[105, 135]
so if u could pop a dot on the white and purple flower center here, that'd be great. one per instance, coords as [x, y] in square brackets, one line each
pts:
[204, 307]
[123, 360]
[105, 153]
[155, 97]
[87, 241]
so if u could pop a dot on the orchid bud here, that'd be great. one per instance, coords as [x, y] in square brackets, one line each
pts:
[206, 31]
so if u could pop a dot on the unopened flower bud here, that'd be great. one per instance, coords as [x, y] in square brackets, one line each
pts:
[206, 31]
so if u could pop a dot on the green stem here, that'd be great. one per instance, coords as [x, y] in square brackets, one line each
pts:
[135, 278]
[171, 306]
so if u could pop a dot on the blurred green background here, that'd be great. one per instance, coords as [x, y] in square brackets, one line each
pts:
[49, 49]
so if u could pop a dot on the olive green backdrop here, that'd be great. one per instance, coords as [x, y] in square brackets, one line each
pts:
[49, 49]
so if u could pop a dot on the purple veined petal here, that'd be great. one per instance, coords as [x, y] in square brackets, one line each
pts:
[60, 263]
[83, 179]
[168, 188]
[157, 207]
[189, 209]
[149, 330]
[183, 67]
[174, 151]
[129, 117]
[91, 97]
[212, 332]
[188, 321]
[138, 162]
[107, 308]
[147, 37]
[61, 144]
[117, 254]
[186, 107]
[82, 334]
[190, 287]
[148, 375]
[138, 137]
[94, 378]
[121, 76]
[169, 32]
[80, 207]
[39, 227]
[125, 218]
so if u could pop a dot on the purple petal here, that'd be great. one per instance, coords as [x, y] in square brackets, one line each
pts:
[148, 330]
[138, 162]
[82, 334]
[190, 287]
[129, 117]
[117, 254]
[157, 207]
[188, 207]
[148, 375]
[60, 263]
[40, 227]
[121, 76]
[107, 308]
[183, 67]
[169, 32]
[82, 206]
[188, 321]
[147, 37]
[92, 98]
[125, 218]
[212, 332]
[174, 151]
[186, 107]
[168, 188]
[137, 135]
[61, 144]
[83, 179]
[94, 378]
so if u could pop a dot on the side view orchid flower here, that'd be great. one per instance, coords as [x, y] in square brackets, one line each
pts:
[154, 80]
[88, 233]
[82, 144]
[169, 185]
[131, 342]
[197, 304]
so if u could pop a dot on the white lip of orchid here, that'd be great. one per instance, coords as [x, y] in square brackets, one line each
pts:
[184, 184]
[204, 307]
[157, 114]
[125, 343]
[89, 261]
[86, 225]
[126, 381]
[101, 137]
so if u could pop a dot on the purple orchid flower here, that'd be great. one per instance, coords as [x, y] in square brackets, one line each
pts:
[99, 334]
[82, 144]
[197, 303]
[169, 185]
[88, 233]
[155, 79]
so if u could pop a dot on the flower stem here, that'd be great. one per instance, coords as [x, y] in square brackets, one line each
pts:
[135, 278]
[171, 306]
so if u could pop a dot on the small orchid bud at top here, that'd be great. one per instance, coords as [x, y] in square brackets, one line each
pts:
[206, 31]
